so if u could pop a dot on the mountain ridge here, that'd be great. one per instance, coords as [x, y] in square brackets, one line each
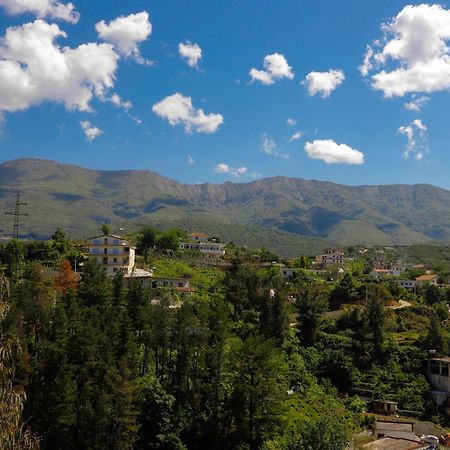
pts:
[80, 200]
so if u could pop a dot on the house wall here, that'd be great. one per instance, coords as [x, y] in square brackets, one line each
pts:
[113, 254]
[439, 372]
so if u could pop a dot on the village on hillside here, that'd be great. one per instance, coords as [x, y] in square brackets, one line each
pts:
[177, 267]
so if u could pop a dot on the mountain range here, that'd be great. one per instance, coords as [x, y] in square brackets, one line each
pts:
[288, 215]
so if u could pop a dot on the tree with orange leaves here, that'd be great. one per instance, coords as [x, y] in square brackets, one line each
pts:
[66, 279]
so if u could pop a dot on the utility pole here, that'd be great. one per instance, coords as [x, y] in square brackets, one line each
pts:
[17, 215]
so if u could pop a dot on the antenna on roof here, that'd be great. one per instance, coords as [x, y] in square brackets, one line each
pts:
[17, 215]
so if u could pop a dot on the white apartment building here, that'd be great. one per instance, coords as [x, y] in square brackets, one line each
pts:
[208, 249]
[113, 253]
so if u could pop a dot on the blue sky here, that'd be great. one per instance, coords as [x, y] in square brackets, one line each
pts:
[348, 126]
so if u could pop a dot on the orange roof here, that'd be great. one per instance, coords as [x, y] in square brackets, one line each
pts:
[426, 277]
[198, 234]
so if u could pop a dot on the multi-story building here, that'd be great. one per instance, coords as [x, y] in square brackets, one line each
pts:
[330, 258]
[208, 248]
[113, 253]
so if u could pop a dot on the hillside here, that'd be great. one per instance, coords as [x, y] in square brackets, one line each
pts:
[288, 214]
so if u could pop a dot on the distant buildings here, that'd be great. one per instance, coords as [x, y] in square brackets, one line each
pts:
[208, 248]
[113, 253]
[329, 258]
[419, 281]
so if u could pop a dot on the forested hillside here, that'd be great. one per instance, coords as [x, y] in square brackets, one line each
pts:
[252, 360]
[295, 215]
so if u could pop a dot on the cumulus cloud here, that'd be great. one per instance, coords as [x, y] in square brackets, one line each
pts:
[296, 136]
[178, 109]
[42, 8]
[323, 83]
[270, 147]
[225, 168]
[34, 68]
[126, 33]
[90, 131]
[118, 101]
[332, 153]
[276, 67]
[417, 136]
[413, 55]
[291, 122]
[190, 52]
[417, 102]
[190, 160]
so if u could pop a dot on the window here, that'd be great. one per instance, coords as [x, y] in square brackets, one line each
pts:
[106, 241]
[105, 251]
[115, 260]
[105, 260]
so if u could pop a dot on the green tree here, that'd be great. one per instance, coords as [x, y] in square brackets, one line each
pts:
[432, 294]
[274, 318]
[157, 418]
[258, 386]
[59, 241]
[312, 302]
[376, 316]
[147, 240]
[436, 338]
[13, 257]
[106, 229]
[326, 433]
[346, 290]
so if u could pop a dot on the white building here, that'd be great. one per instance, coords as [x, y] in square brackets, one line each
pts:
[113, 253]
[208, 248]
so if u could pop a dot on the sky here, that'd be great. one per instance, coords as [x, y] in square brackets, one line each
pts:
[354, 92]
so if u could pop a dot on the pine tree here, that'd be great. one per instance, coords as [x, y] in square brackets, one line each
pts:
[312, 302]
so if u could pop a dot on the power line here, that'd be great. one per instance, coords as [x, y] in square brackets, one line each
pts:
[17, 215]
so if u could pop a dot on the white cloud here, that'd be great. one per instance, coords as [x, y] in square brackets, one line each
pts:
[291, 122]
[42, 8]
[413, 55]
[34, 68]
[332, 153]
[417, 136]
[225, 168]
[90, 131]
[190, 160]
[118, 101]
[296, 136]
[269, 147]
[323, 83]
[275, 68]
[416, 103]
[178, 109]
[190, 52]
[126, 33]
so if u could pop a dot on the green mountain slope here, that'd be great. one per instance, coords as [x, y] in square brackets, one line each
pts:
[291, 212]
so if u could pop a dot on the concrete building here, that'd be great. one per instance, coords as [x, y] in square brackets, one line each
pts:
[439, 374]
[208, 248]
[330, 258]
[113, 253]
[395, 429]
[429, 278]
